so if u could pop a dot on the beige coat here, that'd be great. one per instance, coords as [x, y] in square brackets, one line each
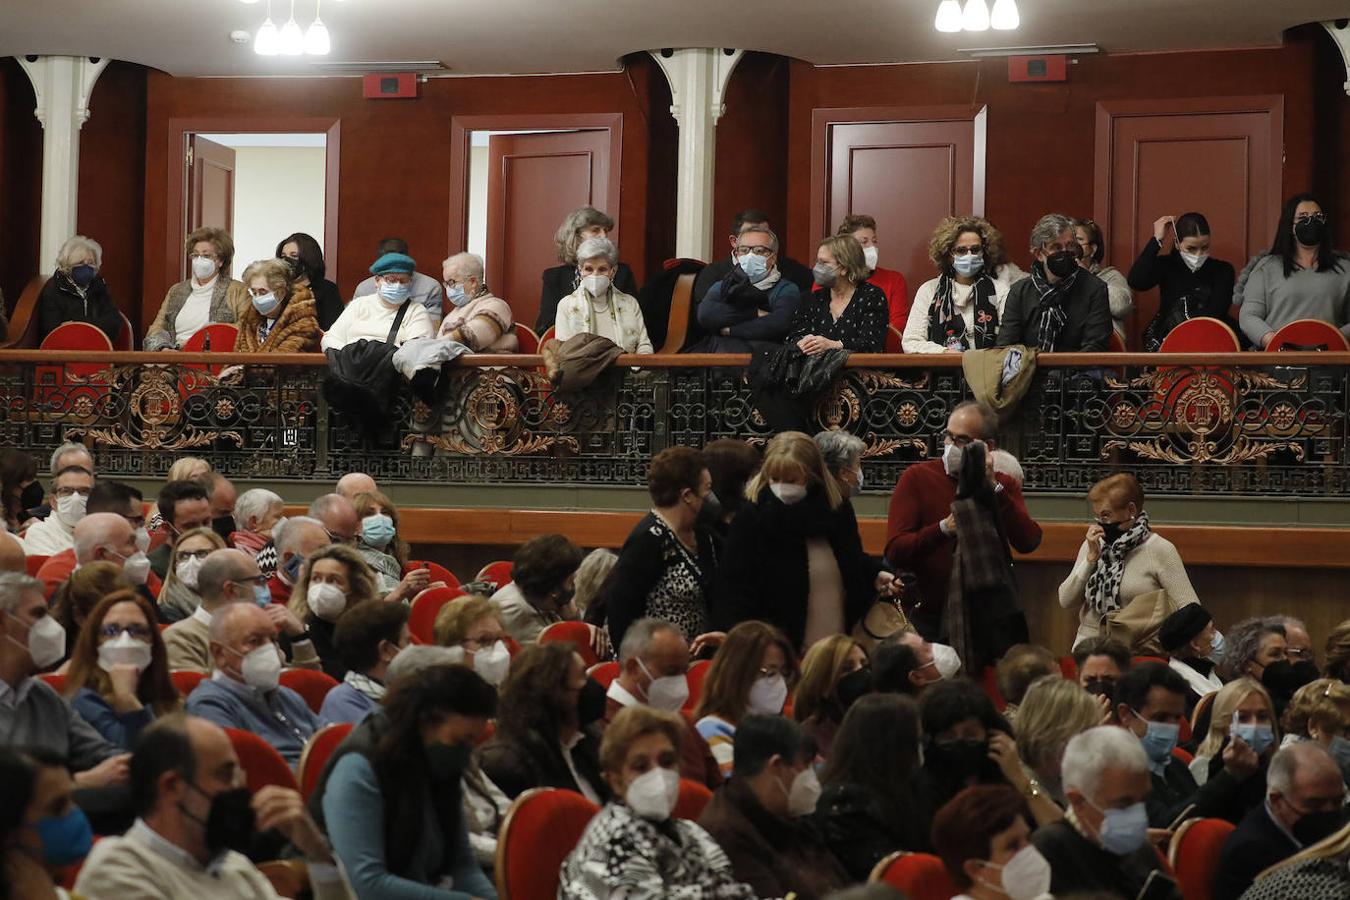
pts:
[228, 302]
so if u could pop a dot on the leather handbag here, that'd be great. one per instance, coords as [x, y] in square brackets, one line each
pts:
[886, 616]
[1136, 624]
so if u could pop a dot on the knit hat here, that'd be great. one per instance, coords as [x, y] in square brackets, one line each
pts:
[1182, 626]
[393, 262]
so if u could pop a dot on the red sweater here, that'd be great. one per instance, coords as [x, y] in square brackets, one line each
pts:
[892, 284]
[58, 568]
[914, 541]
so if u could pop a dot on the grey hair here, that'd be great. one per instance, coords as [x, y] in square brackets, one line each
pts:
[219, 567]
[760, 229]
[988, 418]
[1290, 622]
[287, 534]
[13, 585]
[596, 247]
[326, 504]
[591, 575]
[416, 658]
[569, 232]
[1292, 759]
[94, 531]
[638, 638]
[69, 447]
[75, 247]
[256, 502]
[471, 264]
[1088, 755]
[840, 449]
[1048, 228]
[1243, 642]
[272, 271]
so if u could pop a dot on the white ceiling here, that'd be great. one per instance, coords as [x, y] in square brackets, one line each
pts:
[191, 37]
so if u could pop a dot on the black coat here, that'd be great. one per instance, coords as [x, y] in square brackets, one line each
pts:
[715, 271]
[560, 281]
[764, 573]
[516, 763]
[857, 828]
[1256, 845]
[1087, 316]
[1208, 290]
[1078, 864]
[60, 302]
[328, 301]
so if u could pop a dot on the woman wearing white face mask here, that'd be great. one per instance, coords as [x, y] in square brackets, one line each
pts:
[863, 229]
[472, 627]
[597, 306]
[633, 847]
[1190, 282]
[179, 597]
[119, 673]
[752, 673]
[793, 556]
[333, 580]
[208, 294]
[983, 837]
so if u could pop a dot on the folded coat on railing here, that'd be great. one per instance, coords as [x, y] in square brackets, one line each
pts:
[426, 353]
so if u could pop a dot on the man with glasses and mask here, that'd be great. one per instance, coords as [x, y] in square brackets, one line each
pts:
[70, 497]
[245, 691]
[183, 506]
[920, 527]
[752, 306]
[1062, 307]
[197, 818]
[106, 497]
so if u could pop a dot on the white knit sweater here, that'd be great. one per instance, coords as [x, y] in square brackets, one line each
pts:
[1152, 565]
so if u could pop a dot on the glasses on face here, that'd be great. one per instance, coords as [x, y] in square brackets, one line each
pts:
[1298, 654]
[139, 632]
[71, 491]
[761, 252]
[210, 256]
[185, 555]
[481, 643]
[339, 539]
[1311, 217]
[254, 581]
[773, 671]
[959, 440]
[973, 250]
[259, 292]
[1072, 247]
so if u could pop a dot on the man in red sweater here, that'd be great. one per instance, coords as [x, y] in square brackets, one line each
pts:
[920, 530]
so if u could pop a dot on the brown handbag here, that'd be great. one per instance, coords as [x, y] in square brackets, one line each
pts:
[886, 616]
[1136, 624]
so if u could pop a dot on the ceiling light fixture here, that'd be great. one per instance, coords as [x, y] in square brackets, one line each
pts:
[1004, 16]
[975, 17]
[266, 43]
[948, 16]
[292, 40]
[316, 37]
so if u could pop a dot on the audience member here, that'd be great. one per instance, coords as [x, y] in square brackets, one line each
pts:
[108, 496]
[548, 732]
[189, 468]
[752, 307]
[118, 679]
[983, 836]
[835, 673]
[77, 293]
[180, 596]
[1303, 276]
[42, 830]
[371, 314]
[793, 555]
[403, 769]
[1258, 649]
[1338, 652]
[1239, 737]
[717, 270]
[196, 818]
[1298, 644]
[1320, 712]
[869, 806]
[751, 674]
[846, 311]
[1323, 870]
[338, 516]
[668, 562]
[70, 495]
[256, 513]
[842, 453]
[183, 506]
[68, 454]
[32, 713]
[304, 259]
[281, 316]
[1053, 712]
[1121, 557]
[333, 581]
[591, 575]
[582, 224]
[1190, 282]
[1019, 667]
[731, 463]
[863, 229]
[1101, 845]
[476, 318]
[77, 596]
[634, 847]
[1118, 294]
[961, 308]
[654, 668]
[597, 306]
[1303, 806]
[222, 496]
[905, 663]
[471, 627]
[244, 691]
[540, 593]
[423, 290]
[20, 491]
[293, 540]
[380, 544]
[920, 526]
[760, 816]
[1060, 308]
[209, 295]
[1187, 635]
[354, 483]
[1101, 662]
[108, 537]
[366, 640]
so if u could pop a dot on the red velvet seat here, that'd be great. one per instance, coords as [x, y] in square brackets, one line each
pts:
[216, 337]
[425, 607]
[1309, 333]
[1115, 343]
[318, 749]
[1201, 335]
[604, 672]
[54, 385]
[540, 829]
[550, 334]
[1182, 754]
[1068, 668]
[33, 563]
[989, 681]
[127, 338]
[578, 634]
[526, 338]
[698, 671]
[186, 681]
[499, 572]
[693, 798]
[262, 764]
[1194, 855]
[919, 876]
[310, 684]
[438, 572]
[57, 681]
[893, 337]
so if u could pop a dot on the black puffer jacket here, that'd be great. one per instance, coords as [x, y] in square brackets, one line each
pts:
[60, 302]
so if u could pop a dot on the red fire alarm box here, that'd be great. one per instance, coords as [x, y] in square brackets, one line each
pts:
[385, 87]
[1038, 68]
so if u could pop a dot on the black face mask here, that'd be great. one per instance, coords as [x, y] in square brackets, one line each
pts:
[710, 513]
[853, 686]
[1061, 264]
[295, 266]
[1310, 232]
[1283, 678]
[446, 762]
[230, 821]
[1112, 531]
[1101, 687]
[591, 703]
[31, 498]
[960, 759]
[223, 526]
[1318, 826]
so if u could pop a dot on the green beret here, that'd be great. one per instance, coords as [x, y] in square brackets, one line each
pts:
[393, 262]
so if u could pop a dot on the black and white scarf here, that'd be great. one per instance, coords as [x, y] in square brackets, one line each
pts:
[1050, 313]
[947, 327]
[1103, 585]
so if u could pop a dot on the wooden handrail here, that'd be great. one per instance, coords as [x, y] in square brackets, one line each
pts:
[23, 325]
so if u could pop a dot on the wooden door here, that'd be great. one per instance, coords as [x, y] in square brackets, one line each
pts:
[210, 185]
[907, 168]
[1220, 157]
[534, 181]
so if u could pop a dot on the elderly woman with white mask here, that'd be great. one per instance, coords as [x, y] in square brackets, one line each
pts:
[597, 307]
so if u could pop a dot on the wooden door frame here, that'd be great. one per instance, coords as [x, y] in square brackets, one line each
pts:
[1111, 111]
[175, 264]
[822, 161]
[462, 127]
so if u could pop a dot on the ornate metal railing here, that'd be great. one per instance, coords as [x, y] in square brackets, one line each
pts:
[1237, 424]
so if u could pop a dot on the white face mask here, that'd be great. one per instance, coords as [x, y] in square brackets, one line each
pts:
[951, 459]
[1025, 877]
[124, 650]
[870, 256]
[71, 509]
[142, 539]
[493, 663]
[203, 268]
[805, 793]
[652, 795]
[767, 695]
[788, 493]
[1193, 261]
[46, 641]
[261, 667]
[669, 692]
[136, 567]
[947, 661]
[596, 285]
[187, 571]
[326, 600]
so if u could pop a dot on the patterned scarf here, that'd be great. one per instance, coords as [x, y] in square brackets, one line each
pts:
[1103, 585]
[946, 325]
[1050, 312]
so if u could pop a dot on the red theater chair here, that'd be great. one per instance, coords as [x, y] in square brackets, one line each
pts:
[697, 672]
[540, 829]
[919, 876]
[438, 572]
[693, 798]
[578, 634]
[263, 765]
[1201, 335]
[318, 749]
[1194, 855]
[499, 572]
[604, 673]
[425, 607]
[526, 338]
[186, 681]
[310, 684]
[893, 336]
[54, 385]
[33, 563]
[1308, 334]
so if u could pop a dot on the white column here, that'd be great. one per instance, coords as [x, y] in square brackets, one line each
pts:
[1340, 33]
[698, 81]
[62, 85]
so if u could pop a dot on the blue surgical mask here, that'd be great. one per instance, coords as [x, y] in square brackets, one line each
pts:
[754, 267]
[66, 839]
[292, 568]
[456, 295]
[968, 266]
[377, 530]
[1216, 648]
[1159, 741]
[266, 304]
[1125, 830]
[262, 595]
[394, 292]
[1255, 735]
[1340, 751]
[83, 275]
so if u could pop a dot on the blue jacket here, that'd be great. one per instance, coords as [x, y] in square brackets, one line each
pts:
[345, 703]
[743, 321]
[117, 728]
[280, 717]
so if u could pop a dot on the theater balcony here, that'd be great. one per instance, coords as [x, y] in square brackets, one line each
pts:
[1245, 458]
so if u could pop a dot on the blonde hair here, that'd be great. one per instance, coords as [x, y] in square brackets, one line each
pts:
[219, 238]
[1226, 702]
[1053, 711]
[360, 579]
[793, 454]
[848, 254]
[183, 467]
[591, 574]
[821, 669]
[273, 271]
[1121, 489]
[949, 229]
[171, 571]
[1324, 702]
[454, 619]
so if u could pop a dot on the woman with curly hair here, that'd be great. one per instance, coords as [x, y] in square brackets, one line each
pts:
[333, 580]
[961, 308]
[581, 224]
[281, 316]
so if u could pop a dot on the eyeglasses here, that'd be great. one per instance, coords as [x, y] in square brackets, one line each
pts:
[254, 581]
[1072, 247]
[139, 632]
[968, 251]
[773, 671]
[71, 491]
[1311, 217]
[210, 256]
[476, 644]
[761, 252]
[959, 440]
[185, 555]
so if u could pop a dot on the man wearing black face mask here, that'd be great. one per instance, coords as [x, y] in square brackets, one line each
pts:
[195, 815]
[1303, 805]
[222, 496]
[1061, 308]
